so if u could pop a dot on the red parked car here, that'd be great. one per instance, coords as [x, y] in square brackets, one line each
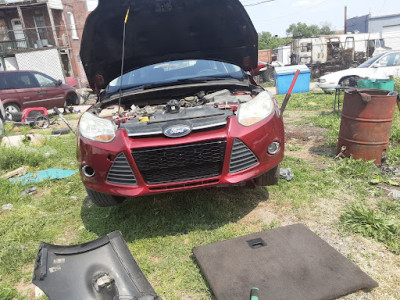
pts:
[26, 89]
[185, 114]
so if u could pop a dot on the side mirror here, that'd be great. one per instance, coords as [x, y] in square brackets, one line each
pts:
[59, 82]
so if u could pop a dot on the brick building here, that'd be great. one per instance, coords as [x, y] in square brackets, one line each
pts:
[32, 31]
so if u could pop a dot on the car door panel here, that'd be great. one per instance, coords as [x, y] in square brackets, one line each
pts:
[52, 94]
[28, 89]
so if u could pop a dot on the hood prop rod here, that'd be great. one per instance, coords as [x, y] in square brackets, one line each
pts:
[289, 93]
[122, 62]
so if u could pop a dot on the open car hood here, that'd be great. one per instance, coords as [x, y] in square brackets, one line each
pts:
[165, 30]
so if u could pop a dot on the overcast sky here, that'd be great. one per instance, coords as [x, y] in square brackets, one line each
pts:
[276, 16]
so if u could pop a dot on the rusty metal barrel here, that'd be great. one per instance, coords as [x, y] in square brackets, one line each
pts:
[367, 117]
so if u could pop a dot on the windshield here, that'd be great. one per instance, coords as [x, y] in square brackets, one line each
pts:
[174, 71]
[370, 61]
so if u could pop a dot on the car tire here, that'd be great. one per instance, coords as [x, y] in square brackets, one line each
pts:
[104, 200]
[11, 108]
[268, 178]
[72, 99]
[350, 81]
[268, 75]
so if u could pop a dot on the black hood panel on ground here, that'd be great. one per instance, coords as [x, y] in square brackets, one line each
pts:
[165, 30]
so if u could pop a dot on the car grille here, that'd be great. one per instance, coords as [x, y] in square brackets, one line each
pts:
[121, 172]
[242, 157]
[181, 163]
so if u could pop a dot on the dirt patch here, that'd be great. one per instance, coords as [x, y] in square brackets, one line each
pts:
[24, 287]
[308, 143]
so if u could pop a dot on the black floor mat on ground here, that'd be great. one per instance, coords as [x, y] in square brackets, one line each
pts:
[285, 263]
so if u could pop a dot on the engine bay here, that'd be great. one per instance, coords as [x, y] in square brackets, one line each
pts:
[199, 111]
[202, 104]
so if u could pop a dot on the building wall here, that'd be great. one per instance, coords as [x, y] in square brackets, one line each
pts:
[359, 24]
[265, 55]
[366, 24]
[79, 10]
[45, 61]
[376, 24]
[391, 34]
[28, 14]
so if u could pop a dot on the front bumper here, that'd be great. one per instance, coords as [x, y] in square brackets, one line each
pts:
[100, 156]
[327, 86]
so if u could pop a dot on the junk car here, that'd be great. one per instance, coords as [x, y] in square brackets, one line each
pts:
[186, 112]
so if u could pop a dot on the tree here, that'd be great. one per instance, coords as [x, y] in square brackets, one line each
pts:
[267, 41]
[326, 30]
[302, 30]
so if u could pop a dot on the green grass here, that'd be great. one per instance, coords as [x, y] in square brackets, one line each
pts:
[311, 101]
[8, 293]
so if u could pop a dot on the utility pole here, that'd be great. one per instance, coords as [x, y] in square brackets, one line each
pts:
[345, 19]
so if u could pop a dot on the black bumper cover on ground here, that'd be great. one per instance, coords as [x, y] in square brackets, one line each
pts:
[102, 269]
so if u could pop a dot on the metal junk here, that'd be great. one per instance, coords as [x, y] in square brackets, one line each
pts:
[366, 122]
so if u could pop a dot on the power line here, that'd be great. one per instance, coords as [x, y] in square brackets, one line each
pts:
[258, 3]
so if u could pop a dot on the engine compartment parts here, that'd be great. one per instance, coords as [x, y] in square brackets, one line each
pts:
[103, 269]
[172, 106]
[200, 104]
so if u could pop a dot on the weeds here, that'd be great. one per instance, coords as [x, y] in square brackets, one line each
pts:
[356, 169]
[372, 223]
[14, 157]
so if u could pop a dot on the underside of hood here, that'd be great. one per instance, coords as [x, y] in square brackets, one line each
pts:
[165, 30]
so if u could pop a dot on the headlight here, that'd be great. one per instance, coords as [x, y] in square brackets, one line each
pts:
[255, 110]
[321, 80]
[96, 129]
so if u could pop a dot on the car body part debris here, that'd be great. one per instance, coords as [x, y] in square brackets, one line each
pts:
[286, 174]
[39, 176]
[289, 262]
[103, 269]
[29, 191]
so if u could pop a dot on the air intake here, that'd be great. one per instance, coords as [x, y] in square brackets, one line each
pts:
[242, 157]
[121, 172]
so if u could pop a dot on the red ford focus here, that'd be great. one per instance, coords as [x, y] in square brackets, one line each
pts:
[185, 114]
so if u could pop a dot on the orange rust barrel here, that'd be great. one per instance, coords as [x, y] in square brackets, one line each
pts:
[366, 122]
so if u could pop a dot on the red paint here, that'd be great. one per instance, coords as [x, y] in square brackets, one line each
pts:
[257, 137]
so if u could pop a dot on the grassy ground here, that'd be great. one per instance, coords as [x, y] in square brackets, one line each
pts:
[346, 202]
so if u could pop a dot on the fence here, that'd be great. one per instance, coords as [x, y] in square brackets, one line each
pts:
[33, 38]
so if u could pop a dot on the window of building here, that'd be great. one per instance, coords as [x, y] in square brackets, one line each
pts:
[72, 27]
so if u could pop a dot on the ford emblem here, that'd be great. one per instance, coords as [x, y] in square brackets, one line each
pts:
[175, 131]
